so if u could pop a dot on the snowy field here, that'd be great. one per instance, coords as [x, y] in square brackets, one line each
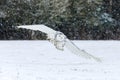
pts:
[39, 60]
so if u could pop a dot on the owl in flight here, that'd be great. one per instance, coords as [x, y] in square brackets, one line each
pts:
[60, 40]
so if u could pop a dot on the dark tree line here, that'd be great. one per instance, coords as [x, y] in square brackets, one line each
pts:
[78, 19]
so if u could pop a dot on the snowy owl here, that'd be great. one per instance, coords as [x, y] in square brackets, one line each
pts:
[60, 40]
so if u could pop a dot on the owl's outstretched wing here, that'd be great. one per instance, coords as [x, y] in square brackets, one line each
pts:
[75, 50]
[41, 28]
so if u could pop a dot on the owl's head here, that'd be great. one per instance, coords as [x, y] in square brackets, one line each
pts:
[59, 36]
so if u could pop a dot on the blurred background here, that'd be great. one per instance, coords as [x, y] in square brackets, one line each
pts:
[77, 19]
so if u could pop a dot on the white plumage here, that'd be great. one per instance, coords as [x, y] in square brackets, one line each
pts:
[60, 40]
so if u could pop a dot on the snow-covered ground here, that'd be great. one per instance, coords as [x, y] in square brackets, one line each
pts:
[39, 60]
